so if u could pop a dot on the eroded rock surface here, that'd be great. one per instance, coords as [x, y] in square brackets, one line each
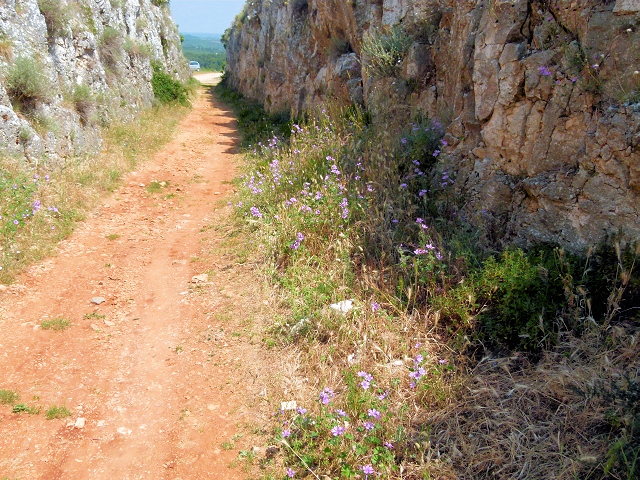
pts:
[101, 45]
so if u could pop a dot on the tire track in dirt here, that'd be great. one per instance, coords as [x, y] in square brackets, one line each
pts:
[154, 370]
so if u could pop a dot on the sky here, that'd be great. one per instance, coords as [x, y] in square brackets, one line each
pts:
[205, 16]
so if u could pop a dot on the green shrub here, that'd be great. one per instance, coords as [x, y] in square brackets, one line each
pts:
[110, 47]
[166, 89]
[160, 3]
[520, 297]
[57, 17]
[27, 84]
[83, 101]
[385, 51]
[338, 46]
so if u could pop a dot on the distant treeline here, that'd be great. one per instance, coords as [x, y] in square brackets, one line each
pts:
[207, 50]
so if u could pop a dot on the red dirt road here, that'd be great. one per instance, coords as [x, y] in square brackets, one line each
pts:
[156, 370]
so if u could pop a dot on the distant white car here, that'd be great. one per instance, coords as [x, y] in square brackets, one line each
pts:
[194, 66]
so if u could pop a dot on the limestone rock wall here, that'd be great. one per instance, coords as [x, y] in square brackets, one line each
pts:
[103, 47]
[541, 98]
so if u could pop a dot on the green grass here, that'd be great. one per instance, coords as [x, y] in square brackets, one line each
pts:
[156, 187]
[8, 397]
[57, 411]
[24, 408]
[112, 236]
[57, 324]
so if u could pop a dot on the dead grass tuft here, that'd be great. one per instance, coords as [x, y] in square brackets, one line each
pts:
[515, 419]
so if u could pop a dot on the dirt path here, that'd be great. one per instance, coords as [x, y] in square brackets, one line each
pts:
[158, 370]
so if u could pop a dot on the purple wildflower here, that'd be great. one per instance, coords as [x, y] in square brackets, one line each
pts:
[372, 412]
[286, 433]
[375, 306]
[296, 244]
[544, 70]
[341, 413]
[369, 426]
[337, 430]
[326, 395]
[255, 212]
[367, 470]
[291, 473]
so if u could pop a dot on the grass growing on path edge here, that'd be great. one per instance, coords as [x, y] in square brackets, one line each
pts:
[44, 202]
[405, 350]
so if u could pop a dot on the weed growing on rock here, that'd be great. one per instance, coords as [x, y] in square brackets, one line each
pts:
[57, 16]
[83, 101]
[385, 51]
[6, 47]
[110, 48]
[27, 84]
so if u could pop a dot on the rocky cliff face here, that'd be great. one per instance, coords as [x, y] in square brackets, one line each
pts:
[67, 67]
[541, 98]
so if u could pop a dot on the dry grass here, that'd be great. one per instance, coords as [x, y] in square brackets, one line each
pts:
[520, 420]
